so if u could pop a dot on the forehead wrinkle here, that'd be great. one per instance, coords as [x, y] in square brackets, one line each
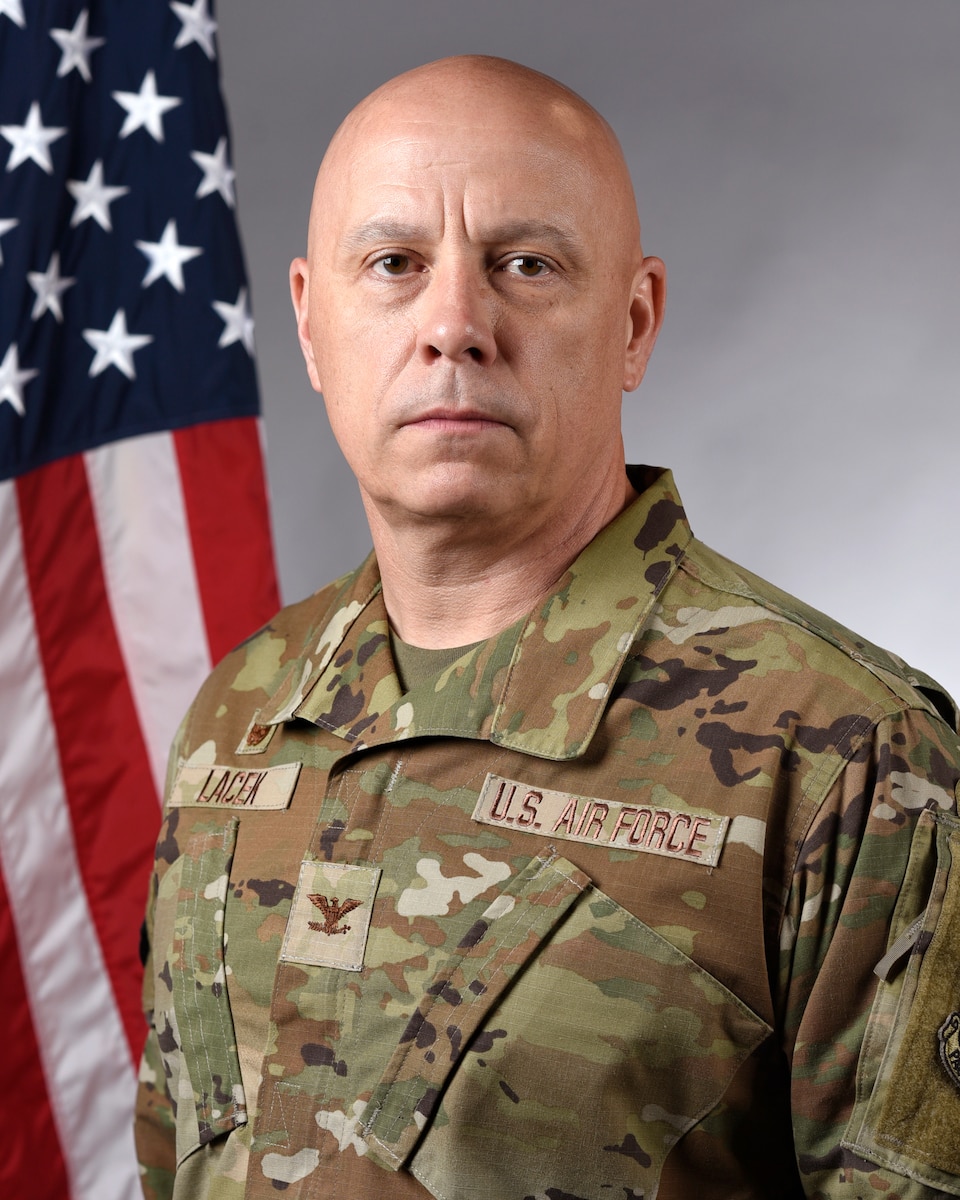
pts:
[544, 130]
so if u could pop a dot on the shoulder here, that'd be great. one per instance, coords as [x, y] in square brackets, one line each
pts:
[288, 633]
[262, 665]
[786, 636]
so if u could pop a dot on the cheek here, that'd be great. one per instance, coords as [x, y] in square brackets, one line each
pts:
[359, 351]
[353, 434]
[587, 399]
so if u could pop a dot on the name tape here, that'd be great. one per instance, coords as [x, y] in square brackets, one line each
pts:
[230, 787]
[647, 828]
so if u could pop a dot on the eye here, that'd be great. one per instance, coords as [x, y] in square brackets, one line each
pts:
[392, 264]
[527, 265]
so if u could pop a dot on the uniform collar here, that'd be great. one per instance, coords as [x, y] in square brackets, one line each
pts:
[539, 687]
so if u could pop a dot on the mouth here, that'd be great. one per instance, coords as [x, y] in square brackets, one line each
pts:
[454, 421]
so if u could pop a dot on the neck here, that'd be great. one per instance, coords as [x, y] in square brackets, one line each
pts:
[451, 583]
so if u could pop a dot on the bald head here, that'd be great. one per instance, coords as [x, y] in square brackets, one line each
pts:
[480, 75]
[472, 92]
[474, 299]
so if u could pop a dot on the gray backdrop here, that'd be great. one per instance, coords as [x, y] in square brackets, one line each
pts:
[798, 168]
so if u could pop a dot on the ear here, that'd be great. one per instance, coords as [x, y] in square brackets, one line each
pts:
[644, 318]
[300, 295]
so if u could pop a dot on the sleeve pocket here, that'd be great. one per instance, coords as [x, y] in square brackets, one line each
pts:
[908, 1080]
[192, 1014]
[565, 1032]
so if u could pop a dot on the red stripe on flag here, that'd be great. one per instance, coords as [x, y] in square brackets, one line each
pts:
[221, 472]
[106, 773]
[34, 1150]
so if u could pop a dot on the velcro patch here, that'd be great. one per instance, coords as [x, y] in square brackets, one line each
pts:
[652, 829]
[232, 787]
[330, 915]
[948, 1036]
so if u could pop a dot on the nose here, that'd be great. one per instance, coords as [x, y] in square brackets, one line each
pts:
[456, 316]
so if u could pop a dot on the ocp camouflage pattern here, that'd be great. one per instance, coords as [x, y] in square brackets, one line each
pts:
[597, 913]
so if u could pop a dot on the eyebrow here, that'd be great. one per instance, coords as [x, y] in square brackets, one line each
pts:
[518, 232]
[380, 231]
[511, 233]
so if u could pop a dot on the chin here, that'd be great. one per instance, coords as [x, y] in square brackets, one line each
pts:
[453, 508]
[459, 505]
[456, 493]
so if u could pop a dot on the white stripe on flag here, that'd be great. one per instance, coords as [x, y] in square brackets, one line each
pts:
[151, 582]
[86, 1060]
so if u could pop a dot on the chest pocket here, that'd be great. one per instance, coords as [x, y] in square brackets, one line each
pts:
[563, 1050]
[192, 1013]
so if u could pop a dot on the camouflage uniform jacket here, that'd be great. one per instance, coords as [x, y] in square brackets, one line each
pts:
[648, 896]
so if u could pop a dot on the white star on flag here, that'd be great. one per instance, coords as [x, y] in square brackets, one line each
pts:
[197, 26]
[14, 10]
[76, 47]
[238, 323]
[145, 108]
[218, 175]
[49, 286]
[31, 140]
[167, 257]
[12, 378]
[6, 224]
[94, 197]
[115, 347]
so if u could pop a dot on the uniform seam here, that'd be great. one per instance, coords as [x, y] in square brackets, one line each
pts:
[868, 662]
[839, 763]
[193, 1007]
[376, 844]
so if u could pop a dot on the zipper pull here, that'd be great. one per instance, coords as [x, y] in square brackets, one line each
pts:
[900, 950]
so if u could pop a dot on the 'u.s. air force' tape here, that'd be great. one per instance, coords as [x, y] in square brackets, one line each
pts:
[232, 787]
[649, 828]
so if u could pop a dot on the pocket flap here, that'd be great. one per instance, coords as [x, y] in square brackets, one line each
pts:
[470, 982]
[565, 1013]
[199, 1033]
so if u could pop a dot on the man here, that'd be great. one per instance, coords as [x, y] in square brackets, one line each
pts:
[549, 854]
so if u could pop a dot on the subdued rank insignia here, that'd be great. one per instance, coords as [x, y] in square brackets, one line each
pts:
[948, 1035]
[257, 737]
[232, 787]
[650, 828]
[318, 932]
[333, 912]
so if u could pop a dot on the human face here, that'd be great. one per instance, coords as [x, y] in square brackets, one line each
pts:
[473, 302]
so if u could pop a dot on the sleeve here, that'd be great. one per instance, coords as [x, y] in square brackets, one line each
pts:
[870, 971]
[155, 1114]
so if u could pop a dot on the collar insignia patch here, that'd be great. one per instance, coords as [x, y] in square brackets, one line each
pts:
[647, 828]
[948, 1036]
[257, 737]
[331, 891]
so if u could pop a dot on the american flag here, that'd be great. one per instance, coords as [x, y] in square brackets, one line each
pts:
[134, 539]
